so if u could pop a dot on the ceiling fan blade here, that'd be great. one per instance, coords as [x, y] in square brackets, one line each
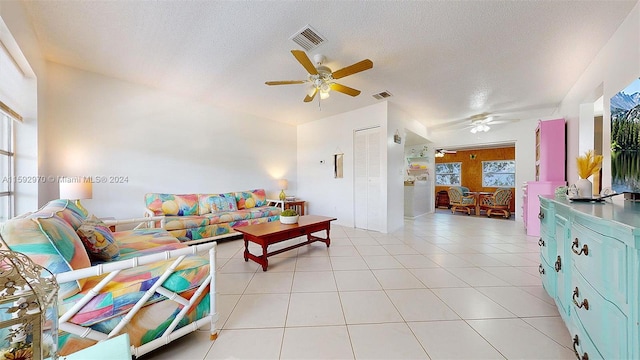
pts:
[446, 151]
[303, 59]
[310, 98]
[352, 69]
[502, 121]
[345, 89]
[285, 82]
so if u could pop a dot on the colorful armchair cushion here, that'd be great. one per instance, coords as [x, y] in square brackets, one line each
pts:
[171, 204]
[121, 293]
[67, 210]
[148, 324]
[251, 199]
[211, 203]
[98, 240]
[140, 242]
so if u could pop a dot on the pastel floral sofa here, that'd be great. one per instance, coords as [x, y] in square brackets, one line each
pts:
[143, 282]
[191, 217]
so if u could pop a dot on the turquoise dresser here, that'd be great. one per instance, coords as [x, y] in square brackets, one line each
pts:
[590, 266]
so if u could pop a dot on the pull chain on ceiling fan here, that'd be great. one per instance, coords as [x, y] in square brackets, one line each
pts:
[321, 78]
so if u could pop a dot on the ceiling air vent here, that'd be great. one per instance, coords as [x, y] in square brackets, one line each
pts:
[308, 38]
[382, 95]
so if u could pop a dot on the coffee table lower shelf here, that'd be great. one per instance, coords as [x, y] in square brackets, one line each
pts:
[274, 232]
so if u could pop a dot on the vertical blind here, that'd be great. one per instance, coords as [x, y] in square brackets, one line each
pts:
[17, 88]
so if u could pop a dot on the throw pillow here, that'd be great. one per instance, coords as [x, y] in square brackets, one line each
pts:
[98, 239]
[245, 200]
[223, 202]
[260, 197]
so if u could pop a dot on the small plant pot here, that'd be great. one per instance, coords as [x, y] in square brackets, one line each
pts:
[289, 219]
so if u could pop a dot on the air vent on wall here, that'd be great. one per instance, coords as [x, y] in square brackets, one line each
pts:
[308, 38]
[382, 95]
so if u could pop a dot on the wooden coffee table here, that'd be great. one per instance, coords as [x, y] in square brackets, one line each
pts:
[275, 232]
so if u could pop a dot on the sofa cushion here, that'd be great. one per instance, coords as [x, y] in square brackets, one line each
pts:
[209, 203]
[184, 222]
[244, 214]
[251, 199]
[264, 211]
[224, 217]
[247, 222]
[98, 240]
[139, 242]
[170, 204]
[51, 243]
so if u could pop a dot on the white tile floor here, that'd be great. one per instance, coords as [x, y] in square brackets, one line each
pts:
[445, 287]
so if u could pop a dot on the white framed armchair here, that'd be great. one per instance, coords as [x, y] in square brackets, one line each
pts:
[143, 282]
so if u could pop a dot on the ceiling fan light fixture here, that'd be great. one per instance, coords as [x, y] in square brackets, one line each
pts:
[480, 127]
[324, 94]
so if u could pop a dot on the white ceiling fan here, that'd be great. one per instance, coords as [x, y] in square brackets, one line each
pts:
[481, 122]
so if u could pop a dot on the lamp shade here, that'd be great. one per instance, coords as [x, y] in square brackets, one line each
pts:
[283, 184]
[75, 190]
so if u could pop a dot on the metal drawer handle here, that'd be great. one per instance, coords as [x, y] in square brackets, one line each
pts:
[575, 245]
[558, 264]
[576, 342]
[540, 269]
[541, 215]
[540, 242]
[584, 303]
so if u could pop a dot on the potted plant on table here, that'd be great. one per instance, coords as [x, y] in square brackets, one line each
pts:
[289, 216]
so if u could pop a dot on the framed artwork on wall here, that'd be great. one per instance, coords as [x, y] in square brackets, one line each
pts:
[625, 139]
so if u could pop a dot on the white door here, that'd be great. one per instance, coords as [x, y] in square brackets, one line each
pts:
[367, 179]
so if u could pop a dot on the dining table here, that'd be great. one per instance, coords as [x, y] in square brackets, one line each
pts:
[478, 197]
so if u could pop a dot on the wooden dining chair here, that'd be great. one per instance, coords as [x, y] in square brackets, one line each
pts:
[459, 202]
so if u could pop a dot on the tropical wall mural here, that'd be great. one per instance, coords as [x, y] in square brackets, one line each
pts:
[625, 139]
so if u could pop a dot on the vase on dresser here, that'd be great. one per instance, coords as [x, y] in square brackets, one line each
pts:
[585, 188]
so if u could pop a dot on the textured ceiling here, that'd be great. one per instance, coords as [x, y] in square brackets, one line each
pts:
[443, 61]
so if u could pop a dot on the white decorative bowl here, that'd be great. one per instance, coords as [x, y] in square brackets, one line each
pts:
[289, 219]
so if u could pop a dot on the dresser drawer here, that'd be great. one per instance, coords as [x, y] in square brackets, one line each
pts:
[583, 347]
[548, 277]
[606, 323]
[547, 246]
[602, 260]
[546, 218]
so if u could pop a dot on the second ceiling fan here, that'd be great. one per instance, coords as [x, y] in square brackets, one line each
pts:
[322, 78]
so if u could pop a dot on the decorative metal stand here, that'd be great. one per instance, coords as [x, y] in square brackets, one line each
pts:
[28, 309]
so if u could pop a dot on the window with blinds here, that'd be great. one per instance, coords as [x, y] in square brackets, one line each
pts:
[16, 87]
